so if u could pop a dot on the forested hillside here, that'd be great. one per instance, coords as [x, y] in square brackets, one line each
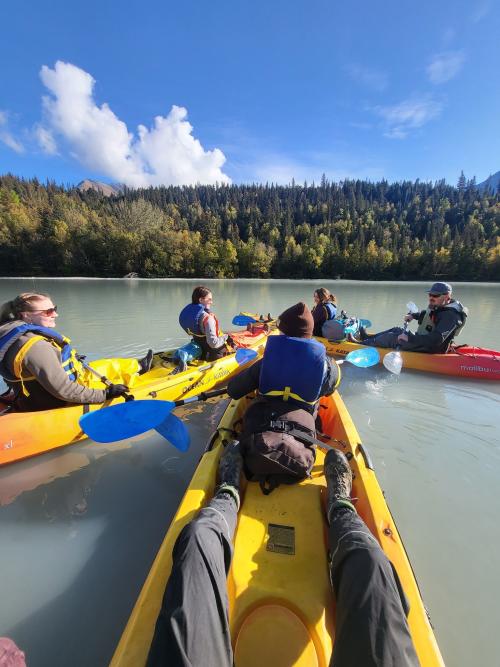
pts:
[354, 229]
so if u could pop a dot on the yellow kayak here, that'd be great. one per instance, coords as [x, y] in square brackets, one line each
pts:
[25, 434]
[279, 588]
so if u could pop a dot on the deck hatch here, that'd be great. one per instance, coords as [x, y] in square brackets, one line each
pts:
[281, 539]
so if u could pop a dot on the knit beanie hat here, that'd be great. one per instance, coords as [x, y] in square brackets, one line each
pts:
[296, 321]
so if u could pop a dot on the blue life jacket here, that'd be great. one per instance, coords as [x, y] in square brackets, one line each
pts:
[331, 310]
[68, 353]
[190, 318]
[293, 368]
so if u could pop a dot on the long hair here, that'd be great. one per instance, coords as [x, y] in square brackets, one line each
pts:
[199, 293]
[324, 295]
[11, 310]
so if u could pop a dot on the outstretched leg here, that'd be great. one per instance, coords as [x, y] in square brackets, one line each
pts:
[192, 629]
[371, 627]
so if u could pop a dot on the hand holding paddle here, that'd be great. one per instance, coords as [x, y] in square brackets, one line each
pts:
[126, 420]
[394, 360]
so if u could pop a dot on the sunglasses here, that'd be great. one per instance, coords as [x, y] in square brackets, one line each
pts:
[49, 311]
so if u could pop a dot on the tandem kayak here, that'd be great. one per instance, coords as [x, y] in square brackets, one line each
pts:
[463, 361]
[280, 598]
[25, 434]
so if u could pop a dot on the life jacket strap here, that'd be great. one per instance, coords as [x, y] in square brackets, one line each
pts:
[17, 365]
[286, 394]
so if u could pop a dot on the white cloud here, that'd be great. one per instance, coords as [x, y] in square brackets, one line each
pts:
[165, 154]
[46, 140]
[445, 66]
[7, 137]
[400, 119]
[371, 78]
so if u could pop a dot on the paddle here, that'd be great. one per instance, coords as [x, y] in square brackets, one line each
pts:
[394, 360]
[242, 320]
[126, 420]
[363, 358]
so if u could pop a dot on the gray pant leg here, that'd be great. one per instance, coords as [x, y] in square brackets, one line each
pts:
[192, 629]
[371, 629]
[387, 338]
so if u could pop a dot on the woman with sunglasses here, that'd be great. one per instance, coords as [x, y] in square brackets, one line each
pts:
[41, 367]
[438, 324]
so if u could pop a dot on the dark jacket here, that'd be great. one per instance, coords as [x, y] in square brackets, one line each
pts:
[446, 321]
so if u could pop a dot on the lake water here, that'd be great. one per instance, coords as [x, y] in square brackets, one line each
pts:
[80, 527]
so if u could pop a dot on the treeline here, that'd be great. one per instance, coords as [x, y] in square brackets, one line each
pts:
[352, 229]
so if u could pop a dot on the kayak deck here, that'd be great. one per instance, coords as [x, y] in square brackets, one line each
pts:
[25, 434]
[463, 361]
[281, 605]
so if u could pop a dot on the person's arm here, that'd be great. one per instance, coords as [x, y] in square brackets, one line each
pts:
[331, 377]
[319, 317]
[209, 327]
[435, 341]
[245, 382]
[44, 362]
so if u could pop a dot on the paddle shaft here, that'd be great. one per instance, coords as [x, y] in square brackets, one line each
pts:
[204, 396]
[102, 378]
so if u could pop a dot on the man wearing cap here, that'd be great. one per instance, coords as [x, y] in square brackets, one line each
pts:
[438, 324]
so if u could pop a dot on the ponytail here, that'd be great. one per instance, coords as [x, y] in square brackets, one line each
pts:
[11, 310]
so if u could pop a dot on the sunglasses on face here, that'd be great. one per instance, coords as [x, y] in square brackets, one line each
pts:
[47, 312]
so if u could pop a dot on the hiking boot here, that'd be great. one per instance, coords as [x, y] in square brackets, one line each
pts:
[230, 465]
[351, 338]
[145, 362]
[338, 477]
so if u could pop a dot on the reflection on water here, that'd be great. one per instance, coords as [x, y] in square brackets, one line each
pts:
[81, 526]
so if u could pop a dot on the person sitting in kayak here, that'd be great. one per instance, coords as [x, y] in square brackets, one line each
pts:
[325, 308]
[193, 627]
[438, 324]
[41, 367]
[198, 321]
[279, 427]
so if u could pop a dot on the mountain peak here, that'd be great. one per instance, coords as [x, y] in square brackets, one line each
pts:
[104, 188]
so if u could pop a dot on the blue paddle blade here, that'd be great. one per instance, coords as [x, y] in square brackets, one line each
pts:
[124, 420]
[244, 355]
[365, 357]
[366, 324]
[243, 320]
[173, 430]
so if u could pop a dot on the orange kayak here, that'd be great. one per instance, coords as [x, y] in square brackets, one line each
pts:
[464, 361]
[25, 434]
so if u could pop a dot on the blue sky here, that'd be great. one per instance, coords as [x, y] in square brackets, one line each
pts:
[249, 90]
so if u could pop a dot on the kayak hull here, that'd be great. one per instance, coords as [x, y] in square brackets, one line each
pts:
[25, 434]
[466, 361]
[281, 605]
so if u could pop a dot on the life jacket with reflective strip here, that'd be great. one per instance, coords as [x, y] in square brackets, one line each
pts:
[69, 361]
[293, 369]
[428, 322]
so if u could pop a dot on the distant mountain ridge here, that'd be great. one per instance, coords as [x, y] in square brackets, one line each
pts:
[492, 182]
[104, 188]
